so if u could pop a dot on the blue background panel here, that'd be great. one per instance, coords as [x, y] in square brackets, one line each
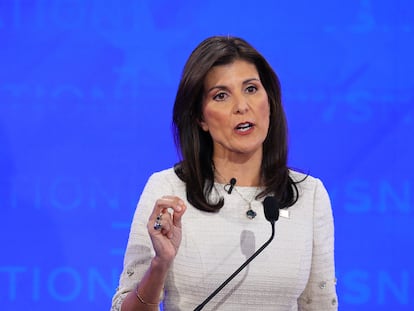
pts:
[86, 95]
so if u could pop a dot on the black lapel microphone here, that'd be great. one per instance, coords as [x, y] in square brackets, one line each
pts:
[229, 187]
[271, 207]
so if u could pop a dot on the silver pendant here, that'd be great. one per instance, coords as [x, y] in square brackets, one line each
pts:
[251, 214]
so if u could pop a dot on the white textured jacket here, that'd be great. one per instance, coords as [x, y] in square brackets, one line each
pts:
[295, 272]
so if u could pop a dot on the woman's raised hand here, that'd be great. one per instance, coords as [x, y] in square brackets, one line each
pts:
[164, 227]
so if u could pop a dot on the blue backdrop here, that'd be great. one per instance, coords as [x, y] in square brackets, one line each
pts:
[86, 93]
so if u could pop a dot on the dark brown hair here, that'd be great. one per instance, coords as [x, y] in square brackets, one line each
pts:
[196, 146]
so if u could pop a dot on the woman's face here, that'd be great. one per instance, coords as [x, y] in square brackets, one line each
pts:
[235, 109]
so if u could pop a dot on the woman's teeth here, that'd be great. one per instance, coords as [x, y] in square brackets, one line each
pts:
[244, 126]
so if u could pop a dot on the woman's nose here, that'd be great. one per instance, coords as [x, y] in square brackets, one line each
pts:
[241, 105]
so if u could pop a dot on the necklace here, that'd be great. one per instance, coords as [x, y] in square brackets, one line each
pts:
[250, 212]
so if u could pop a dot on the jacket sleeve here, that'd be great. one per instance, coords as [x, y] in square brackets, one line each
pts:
[139, 250]
[320, 291]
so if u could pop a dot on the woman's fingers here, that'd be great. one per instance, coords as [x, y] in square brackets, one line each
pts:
[179, 214]
[173, 202]
[164, 227]
[167, 213]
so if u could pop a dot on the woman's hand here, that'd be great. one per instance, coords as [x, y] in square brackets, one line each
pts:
[164, 227]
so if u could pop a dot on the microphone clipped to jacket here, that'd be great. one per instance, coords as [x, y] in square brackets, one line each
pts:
[271, 207]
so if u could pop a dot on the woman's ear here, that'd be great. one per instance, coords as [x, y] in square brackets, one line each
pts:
[203, 125]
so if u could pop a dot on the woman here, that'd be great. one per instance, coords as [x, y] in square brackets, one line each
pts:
[196, 223]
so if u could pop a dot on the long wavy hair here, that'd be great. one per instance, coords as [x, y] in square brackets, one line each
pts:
[195, 146]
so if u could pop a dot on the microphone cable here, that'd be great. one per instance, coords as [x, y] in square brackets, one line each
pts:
[271, 209]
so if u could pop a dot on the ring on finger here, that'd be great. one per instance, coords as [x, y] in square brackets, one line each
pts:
[157, 224]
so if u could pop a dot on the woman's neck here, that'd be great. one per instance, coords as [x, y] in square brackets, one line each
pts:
[246, 174]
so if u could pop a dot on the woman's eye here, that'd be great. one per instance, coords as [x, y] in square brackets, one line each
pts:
[251, 89]
[220, 96]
